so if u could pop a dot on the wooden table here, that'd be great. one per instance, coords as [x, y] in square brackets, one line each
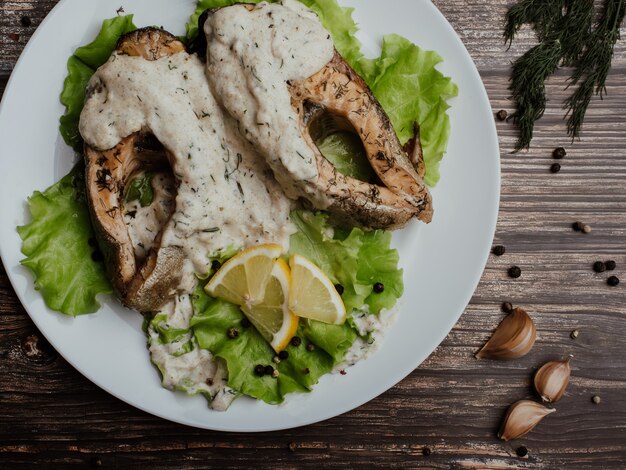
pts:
[447, 412]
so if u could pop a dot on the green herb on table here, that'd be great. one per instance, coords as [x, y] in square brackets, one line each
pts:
[567, 37]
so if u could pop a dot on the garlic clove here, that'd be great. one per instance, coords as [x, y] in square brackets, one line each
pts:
[552, 379]
[513, 338]
[521, 418]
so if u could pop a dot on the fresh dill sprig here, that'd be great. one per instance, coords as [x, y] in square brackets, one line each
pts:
[563, 27]
[540, 14]
[594, 64]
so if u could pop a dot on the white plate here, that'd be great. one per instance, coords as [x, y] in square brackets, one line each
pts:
[443, 261]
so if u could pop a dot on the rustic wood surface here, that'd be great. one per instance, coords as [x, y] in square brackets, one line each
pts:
[447, 412]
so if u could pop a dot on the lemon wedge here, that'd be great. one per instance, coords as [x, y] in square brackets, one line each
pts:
[258, 281]
[312, 295]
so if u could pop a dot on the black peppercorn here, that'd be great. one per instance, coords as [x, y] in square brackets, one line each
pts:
[310, 347]
[555, 168]
[233, 333]
[215, 265]
[92, 241]
[296, 341]
[339, 288]
[259, 370]
[306, 371]
[610, 265]
[612, 281]
[26, 21]
[578, 226]
[426, 451]
[269, 370]
[245, 323]
[521, 451]
[599, 267]
[559, 153]
[499, 250]
[515, 272]
[507, 307]
[283, 355]
[96, 255]
[502, 115]
[379, 287]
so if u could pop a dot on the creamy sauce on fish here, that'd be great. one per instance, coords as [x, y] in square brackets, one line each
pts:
[250, 57]
[226, 194]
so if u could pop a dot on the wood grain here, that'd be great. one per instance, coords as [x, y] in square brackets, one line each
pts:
[452, 404]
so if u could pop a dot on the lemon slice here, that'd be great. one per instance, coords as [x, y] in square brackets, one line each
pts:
[241, 280]
[312, 295]
[258, 281]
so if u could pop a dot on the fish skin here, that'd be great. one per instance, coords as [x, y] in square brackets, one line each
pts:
[143, 286]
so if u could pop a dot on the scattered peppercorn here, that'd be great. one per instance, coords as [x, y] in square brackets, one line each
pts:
[555, 168]
[276, 360]
[507, 307]
[574, 334]
[283, 354]
[339, 288]
[610, 265]
[612, 281]
[596, 399]
[499, 250]
[306, 371]
[578, 226]
[515, 272]
[14, 36]
[292, 446]
[26, 21]
[586, 228]
[259, 370]
[296, 341]
[502, 115]
[310, 347]
[92, 241]
[426, 451]
[599, 267]
[233, 333]
[342, 372]
[269, 370]
[379, 287]
[559, 153]
[245, 323]
[275, 374]
[521, 451]
[215, 265]
[96, 255]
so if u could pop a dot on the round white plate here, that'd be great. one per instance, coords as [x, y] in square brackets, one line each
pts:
[443, 261]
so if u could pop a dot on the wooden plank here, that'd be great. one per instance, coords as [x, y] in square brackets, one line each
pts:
[453, 403]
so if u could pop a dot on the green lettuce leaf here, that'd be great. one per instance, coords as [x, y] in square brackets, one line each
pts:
[353, 258]
[141, 189]
[345, 151]
[298, 373]
[412, 91]
[57, 248]
[81, 66]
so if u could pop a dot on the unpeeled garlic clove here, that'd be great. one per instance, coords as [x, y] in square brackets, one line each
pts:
[551, 380]
[521, 418]
[513, 338]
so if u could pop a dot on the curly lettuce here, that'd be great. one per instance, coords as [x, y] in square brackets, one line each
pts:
[58, 250]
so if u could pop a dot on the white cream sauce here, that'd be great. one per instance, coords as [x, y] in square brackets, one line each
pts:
[226, 193]
[195, 371]
[250, 57]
